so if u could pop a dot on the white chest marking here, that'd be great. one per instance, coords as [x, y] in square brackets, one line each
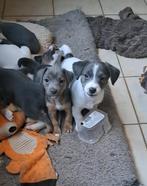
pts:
[59, 106]
[95, 71]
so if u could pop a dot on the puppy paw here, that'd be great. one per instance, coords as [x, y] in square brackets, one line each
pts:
[8, 115]
[57, 131]
[52, 139]
[67, 128]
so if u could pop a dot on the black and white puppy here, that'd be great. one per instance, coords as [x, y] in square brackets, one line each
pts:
[10, 54]
[90, 80]
[17, 88]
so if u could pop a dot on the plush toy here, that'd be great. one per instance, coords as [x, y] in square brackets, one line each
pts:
[27, 152]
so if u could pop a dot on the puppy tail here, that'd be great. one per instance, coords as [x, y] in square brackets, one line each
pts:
[28, 65]
[67, 52]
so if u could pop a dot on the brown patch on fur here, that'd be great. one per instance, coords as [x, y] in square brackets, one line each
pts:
[68, 118]
[53, 116]
[67, 126]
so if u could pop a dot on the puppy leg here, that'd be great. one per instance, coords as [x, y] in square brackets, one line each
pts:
[53, 116]
[34, 125]
[77, 117]
[8, 114]
[68, 120]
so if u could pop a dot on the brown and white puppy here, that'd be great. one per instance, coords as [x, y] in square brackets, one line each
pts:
[56, 84]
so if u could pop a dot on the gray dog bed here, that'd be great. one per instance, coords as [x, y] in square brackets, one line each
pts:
[106, 163]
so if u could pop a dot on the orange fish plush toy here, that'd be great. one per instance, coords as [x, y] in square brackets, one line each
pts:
[27, 152]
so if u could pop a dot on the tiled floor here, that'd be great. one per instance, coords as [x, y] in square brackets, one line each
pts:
[129, 96]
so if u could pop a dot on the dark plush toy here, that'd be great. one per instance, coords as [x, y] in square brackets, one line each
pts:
[20, 36]
[127, 35]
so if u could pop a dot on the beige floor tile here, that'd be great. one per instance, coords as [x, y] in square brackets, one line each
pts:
[139, 98]
[1, 7]
[123, 103]
[132, 66]
[110, 57]
[114, 6]
[27, 18]
[143, 16]
[144, 128]
[28, 7]
[89, 7]
[139, 151]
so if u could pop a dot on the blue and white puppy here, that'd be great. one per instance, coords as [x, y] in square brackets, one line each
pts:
[90, 80]
[10, 54]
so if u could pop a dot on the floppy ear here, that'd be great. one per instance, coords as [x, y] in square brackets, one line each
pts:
[69, 75]
[40, 74]
[114, 73]
[38, 59]
[26, 62]
[78, 68]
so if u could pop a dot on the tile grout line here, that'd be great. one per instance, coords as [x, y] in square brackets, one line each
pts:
[37, 15]
[145, 2]
[3, 10]
[115, 14]
[99, 1]
[139, 124]
[53, 7]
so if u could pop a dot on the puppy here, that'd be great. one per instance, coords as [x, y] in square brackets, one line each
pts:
[56, 84]
[143, 79]
[20, 36]
[10, 54]
[90, 80]
[18, 89]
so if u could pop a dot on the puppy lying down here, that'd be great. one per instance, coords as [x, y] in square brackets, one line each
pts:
[10, 54]
[18, 89]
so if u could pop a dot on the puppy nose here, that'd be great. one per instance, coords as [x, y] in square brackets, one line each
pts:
[92, 90]
[53, 91]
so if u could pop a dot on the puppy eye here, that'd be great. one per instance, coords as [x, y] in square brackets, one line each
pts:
[61, 81]
[86, 76]
[103, 79]
[46, 80]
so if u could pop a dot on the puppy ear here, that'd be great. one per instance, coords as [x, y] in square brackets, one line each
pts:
[38, 59]
[78, 68]
[25, 62]
[69, 75]
[40, 74]
[114, 73]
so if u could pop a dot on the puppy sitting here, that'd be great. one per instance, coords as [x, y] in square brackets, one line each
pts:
[90, 80]
[56, 83]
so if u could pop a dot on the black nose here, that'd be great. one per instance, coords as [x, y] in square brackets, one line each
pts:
[12, 129]
[92, 90]
[53, 91]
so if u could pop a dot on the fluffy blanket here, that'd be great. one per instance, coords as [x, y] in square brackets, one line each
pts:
[127, 36]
